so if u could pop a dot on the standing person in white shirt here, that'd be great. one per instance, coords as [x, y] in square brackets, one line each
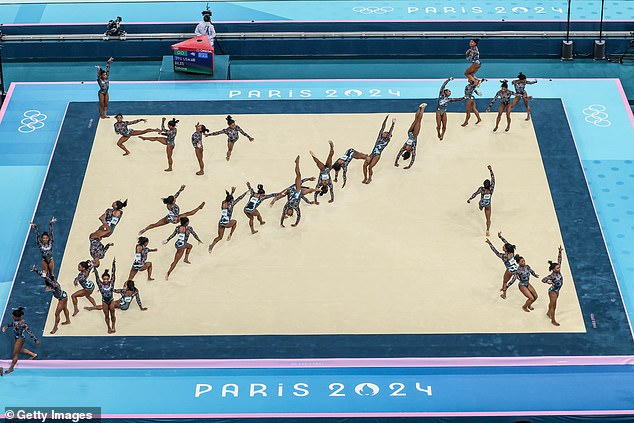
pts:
[206, 27]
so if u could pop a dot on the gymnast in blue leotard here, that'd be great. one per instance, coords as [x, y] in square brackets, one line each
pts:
[486, 193]
[255, 199]
[324, 181]
[87, 286]
[128, 293]
[343, 162]
[104, 85]
[232, 131]
[105, 283]
[173, 212]
[556, 281]
[523, 274]
[520, 93]
[52, 285]
[473, 56]
[294, 194]
[109, 220]
[20, 330]
[441, 109]
[469, 90]
[197, 143]
[121, 128]
[168, 139]
[382, 140]
[505, 105]
[409, 148]
[45, 245]
[508, 258]
[182, 233]
[226, 212]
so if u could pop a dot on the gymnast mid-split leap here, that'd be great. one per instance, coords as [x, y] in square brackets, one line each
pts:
[294, 194]
[173, 212]
[409, 148]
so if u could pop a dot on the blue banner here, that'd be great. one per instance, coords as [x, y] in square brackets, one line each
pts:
[305, 392]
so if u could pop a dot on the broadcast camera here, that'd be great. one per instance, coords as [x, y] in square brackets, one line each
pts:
[113, 29]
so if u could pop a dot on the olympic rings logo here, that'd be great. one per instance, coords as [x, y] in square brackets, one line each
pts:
[596, 115]
[373, 9]
[33, 120]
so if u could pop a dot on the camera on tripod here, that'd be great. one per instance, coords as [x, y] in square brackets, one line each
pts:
[113, 29]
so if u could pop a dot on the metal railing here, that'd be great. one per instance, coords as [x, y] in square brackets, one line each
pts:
[321, 35]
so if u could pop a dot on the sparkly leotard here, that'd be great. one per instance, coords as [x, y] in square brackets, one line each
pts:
[232, 133]
[523, 273]
[183, 236]
[170, 134]
[122, 129]
[104, 84]
[21, 329]
[126, 300]
[140, 257]
[504, 96]
[106, 290]
[556, 280]
[82, 280]
[46, 250]
[485, 197]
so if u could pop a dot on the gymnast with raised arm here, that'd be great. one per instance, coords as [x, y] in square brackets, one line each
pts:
[294, 194]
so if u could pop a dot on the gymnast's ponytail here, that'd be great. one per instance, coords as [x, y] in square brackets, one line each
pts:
[121, 204]
[261, 189]
[230, 120]
[552, 265]
[172, 122]
[18, 312]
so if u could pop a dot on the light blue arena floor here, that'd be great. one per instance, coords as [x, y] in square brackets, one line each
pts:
[603, 128]
[28, 12]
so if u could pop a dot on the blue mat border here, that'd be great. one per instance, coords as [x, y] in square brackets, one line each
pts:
[580, 230]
